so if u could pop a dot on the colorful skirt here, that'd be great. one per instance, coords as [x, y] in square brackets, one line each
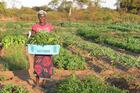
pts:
[43, 66]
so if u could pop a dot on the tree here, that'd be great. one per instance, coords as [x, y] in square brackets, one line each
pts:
[54, 4]
[84, 1]
[44, 7]
[2, 8]
[117, 4]
[62, 5]
[67, 6]
[97, 3]
[132, 6]
[91, 2]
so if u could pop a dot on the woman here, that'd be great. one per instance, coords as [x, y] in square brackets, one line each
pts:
[42, 65]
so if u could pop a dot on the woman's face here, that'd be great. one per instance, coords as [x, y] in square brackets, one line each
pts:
[42, 19]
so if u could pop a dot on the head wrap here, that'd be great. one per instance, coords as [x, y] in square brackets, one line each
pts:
[41, 13]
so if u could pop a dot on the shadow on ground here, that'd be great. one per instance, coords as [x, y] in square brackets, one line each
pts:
[118, 82]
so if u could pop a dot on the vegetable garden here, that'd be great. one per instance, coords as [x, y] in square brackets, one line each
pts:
[111, 43]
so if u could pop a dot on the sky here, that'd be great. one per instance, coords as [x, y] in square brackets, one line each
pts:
[31, 3]
[109, 4]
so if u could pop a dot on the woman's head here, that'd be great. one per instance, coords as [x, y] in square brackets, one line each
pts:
[42, 16]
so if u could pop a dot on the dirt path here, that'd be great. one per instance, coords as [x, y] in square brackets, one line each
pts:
[21, 78]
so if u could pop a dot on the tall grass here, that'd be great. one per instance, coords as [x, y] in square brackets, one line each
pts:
[15, 58]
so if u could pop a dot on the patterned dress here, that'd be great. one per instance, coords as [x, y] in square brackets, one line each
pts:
[43, 64]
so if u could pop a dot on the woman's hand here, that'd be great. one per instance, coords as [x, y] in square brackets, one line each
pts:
[29, 34]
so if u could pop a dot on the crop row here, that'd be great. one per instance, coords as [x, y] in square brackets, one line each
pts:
[128, 43]
[67, 60]
[123, 27]
[89, 84]
[97, 50]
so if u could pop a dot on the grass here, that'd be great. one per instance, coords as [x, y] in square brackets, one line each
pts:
[15, 58]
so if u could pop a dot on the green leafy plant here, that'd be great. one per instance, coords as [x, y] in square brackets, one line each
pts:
[89, 84]
[43, 38]
[11, 88]
[129, 43]
[15, 40]
[126, 42]
[99, 50]
[67, 60]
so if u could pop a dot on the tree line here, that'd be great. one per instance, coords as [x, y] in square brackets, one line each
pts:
[131, 6]
[66, 9]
